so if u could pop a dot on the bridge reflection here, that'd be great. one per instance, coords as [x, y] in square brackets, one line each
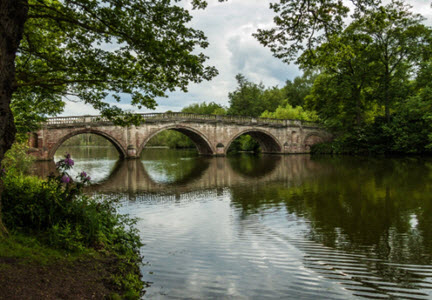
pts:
[199, 173]
[132, 177]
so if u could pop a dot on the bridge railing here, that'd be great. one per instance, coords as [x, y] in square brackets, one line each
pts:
[184, 117]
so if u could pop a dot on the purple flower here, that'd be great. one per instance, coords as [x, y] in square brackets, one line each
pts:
[83, 174]
[68, 156]
[69, 162]
[88, 178]
[65, 179]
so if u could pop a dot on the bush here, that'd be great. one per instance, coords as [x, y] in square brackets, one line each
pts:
[58, 211]
[17, 159]
[404, 134]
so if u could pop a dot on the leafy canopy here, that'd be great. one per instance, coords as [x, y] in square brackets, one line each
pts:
[98, 51]
[291, 113]
[251, 99]
[302, 25]
[205, 108]
[366, 69]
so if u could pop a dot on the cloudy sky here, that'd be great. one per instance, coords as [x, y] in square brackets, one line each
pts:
[229, 27]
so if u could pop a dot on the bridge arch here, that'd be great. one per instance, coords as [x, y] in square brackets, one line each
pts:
[203, 144]
[267, 141]
[122, 152]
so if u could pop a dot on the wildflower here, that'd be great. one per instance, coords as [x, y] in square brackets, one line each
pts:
[65, 179]
[83, 174]
[69, 161]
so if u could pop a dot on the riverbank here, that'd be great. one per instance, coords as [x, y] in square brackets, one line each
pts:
[30, 270]
[63, 244]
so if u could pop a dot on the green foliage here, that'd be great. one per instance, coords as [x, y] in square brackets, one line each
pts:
[296, 91]
[98, 51]
[398, 40]
[87, 140]
[365, 90]
[204, 108]
[171, 139]
[251, 99]
[31, 107]
[57, 209]
[292, 113]
[302, 25]
[244, 143]
[17, 160]
[58, 214]
[38, 206]
[30, 249]
[407, 133]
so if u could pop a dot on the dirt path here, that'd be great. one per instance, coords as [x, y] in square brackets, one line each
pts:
[82, 279]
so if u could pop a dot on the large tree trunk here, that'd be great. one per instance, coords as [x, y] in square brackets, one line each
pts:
[13, 14]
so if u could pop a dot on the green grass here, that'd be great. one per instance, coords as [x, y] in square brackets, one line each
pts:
[29, 250]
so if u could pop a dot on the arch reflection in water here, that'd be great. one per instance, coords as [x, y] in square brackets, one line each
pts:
[253, 165]
[196, 173]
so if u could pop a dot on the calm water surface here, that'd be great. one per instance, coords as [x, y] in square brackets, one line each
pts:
[293, 227]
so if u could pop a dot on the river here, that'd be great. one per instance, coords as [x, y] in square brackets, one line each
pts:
[271, 227]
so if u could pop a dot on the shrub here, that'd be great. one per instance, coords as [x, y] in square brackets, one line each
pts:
[17, 159]
[58, 211]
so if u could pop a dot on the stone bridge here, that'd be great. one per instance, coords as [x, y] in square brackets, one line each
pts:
[211, 134]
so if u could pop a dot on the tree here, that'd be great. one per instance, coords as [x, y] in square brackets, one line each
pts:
[340, 91]
[30, 108]
[251, 99]
[97, 51]
[296, 91]
[61, 48]
[390, 38]
[399, 39]
[303, 25]
[369, 64]
[291, 113]
[204, 108]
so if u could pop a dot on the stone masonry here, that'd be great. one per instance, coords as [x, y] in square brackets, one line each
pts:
[211, 134]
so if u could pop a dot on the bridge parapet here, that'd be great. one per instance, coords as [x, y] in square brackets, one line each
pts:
[184, 117]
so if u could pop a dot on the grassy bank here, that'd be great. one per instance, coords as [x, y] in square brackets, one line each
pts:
[64, 244]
